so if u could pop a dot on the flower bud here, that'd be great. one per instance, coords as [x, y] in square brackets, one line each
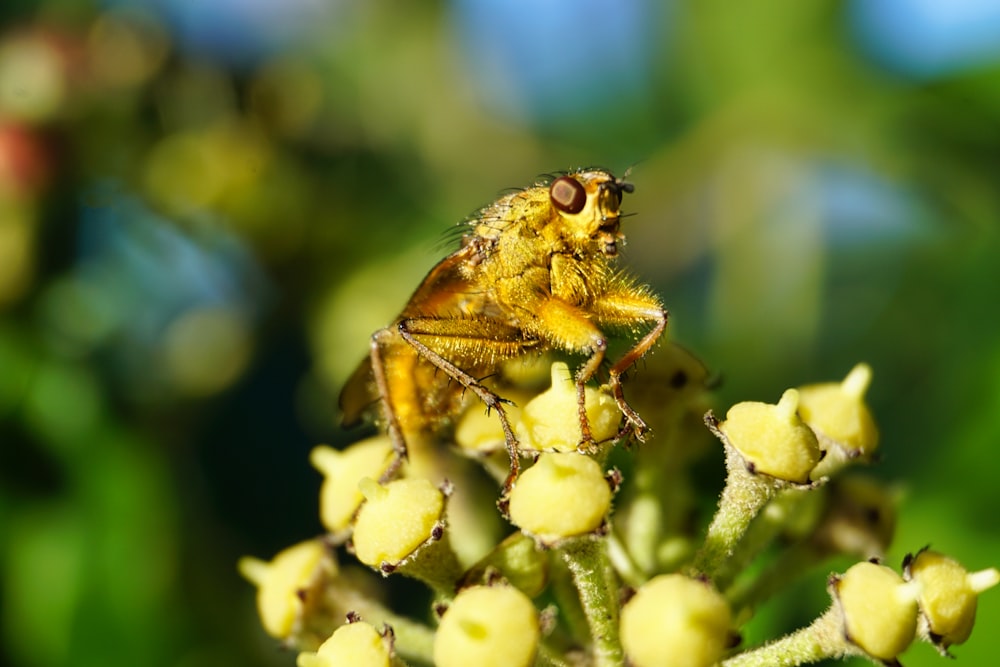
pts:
[551, 421]
[339, 496]
[401, 526]
[562, 495]
[948, 595]
[838, 413]
[677, 621]
[772, 439]
[879, 609]
[488, 627]
[396, 519]
[357, 644]
[283, 585]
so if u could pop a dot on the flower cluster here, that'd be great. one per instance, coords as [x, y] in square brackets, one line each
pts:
[559, 578]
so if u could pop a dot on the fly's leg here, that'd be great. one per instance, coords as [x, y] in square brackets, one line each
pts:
[488, 397]
[570, 328]
[393, 428]
[634, 422]
[598, 347]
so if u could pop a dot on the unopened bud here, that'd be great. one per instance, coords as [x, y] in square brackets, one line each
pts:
[284, 585]
[772, 439]
[561, 496]
[488, 626]
[339, 496]
[675, 620]
[551, 421]
[838, 413]
[357, 644]
[401, 527]
[948, 595]
[879, 609]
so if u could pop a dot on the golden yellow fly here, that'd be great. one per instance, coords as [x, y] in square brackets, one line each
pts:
[535, 272]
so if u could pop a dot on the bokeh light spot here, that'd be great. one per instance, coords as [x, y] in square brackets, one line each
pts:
[182, 173]
[17, 243]
[43, 572]
[287, 95]
[32, 80]
[64, 405]
[126, 48]
[206, 349]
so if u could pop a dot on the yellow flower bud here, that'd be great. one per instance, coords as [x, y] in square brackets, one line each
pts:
[281, 582]
[837, 411]
[879, 609]
[488, 627]
[675, 621]
[551, 421]
[395, 520]
[562, 495]
[339, 496]
[772, 439]
[948, 595]
[357, 644]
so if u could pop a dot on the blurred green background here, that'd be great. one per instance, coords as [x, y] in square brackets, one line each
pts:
[206, 208]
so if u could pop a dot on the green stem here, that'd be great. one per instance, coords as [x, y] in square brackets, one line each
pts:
[435, 564]
[785, 507]
[742, 498]
[822, 640]
[588, 562]
[549, 657]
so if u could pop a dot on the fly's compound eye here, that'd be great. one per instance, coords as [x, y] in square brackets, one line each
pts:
[568, 195]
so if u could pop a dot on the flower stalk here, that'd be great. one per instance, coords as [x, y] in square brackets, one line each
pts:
[588, 563]
[821, 640]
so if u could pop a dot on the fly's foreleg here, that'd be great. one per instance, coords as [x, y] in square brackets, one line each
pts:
[658, 316]
[598, 347]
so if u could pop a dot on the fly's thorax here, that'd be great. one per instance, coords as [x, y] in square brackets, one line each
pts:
[524, 209]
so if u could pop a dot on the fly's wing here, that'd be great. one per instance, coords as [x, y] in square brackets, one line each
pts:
[358, 397]
[442, 294]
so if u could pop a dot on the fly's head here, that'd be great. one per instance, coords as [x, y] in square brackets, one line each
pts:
[587, 208]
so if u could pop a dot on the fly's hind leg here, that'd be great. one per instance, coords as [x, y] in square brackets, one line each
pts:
[474, 338]
[393, 427]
